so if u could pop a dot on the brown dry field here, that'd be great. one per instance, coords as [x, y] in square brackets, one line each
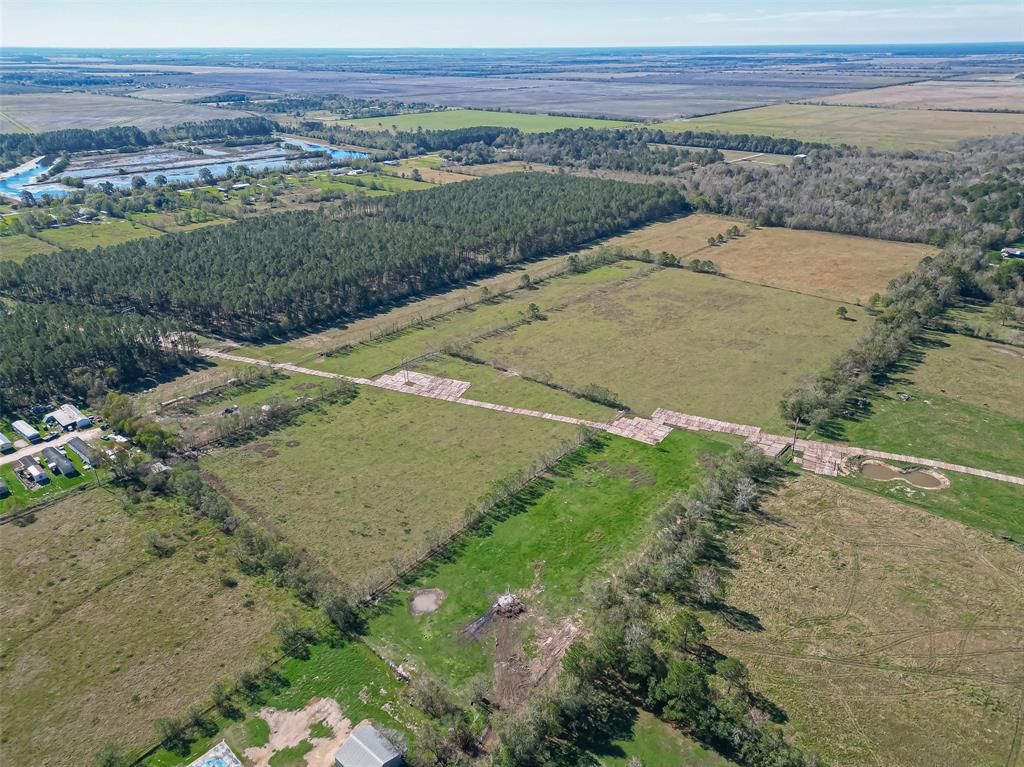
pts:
[39, 112]
[435, 176]
[891, 638]
[835, 266]
[509, 166]
[939, 94]
[100, 637]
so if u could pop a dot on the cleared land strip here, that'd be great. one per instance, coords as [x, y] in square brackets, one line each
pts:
[823, 458]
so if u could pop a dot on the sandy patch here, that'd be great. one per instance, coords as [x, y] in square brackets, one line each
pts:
[289, 728]
[1006, 350]
[426, 601]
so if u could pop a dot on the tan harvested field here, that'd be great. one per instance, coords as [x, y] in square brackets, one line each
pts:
[101, 637]
[38, 112]
[891, 637]
[364, 486]
[835, 266]
[940, 94]
[692, 342]
[866, 126]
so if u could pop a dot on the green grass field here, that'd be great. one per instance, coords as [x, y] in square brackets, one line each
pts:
[882, 128]
[101, 637]
[18, 247]
[964, 407]
[697, 343]
[657, 744]
[108, 232]
[467, 118]
[572, 531]
[888, 636]
[363, 486]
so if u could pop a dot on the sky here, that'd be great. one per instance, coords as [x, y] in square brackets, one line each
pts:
[500, 23]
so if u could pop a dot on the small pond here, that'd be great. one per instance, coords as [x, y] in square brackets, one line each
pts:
[919, 478]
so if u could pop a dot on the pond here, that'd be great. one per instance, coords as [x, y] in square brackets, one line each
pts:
[175, 168]
[919, 478]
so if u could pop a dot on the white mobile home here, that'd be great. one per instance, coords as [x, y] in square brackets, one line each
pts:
[26, 431]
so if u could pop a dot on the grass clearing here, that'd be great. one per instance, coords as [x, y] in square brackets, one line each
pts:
[168, 222]
[692, 342]
[451, 119]
[18, 247]
[97, 639]
[111, 231]
[890, 636]
[657, 744]
[964, 405]
[548, 546]
[835, 266]
[364, 486]
[882, 128]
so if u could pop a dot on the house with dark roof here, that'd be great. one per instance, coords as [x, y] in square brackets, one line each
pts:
[6, 445]
[58, 462]
[78, 446]
[367, 747]
[4, 490]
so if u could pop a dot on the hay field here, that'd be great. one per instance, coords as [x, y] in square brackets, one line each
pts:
[866, 126]
[467, 118]
[692, 342]
[939, 94]
[362, 485]
[100, 637]
[835, 266]
[890, 637]
[38, 112]
[18, 247]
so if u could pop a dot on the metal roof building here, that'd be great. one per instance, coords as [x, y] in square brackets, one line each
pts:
[366, 747]
[25, 430]
[6, 445]
[59, 462]
[78, 446]
[68, 417]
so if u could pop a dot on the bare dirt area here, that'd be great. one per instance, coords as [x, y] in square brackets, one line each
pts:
[426, 601]
[889, 636]
[290, 728]
[521, 666]
[954, 95]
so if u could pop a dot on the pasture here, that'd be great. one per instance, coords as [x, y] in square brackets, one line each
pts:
[550, 546]
[96, 643]
[110, 231]
[365, 486]
[889, 636]
[865, 126]
[697, 343]
[835, 266]
[39, 112]
[940, 95]
[963, 407]
[18, 247]
[451, 119]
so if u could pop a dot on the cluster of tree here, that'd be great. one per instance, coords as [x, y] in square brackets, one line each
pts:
[47, 79]
[656, 658]
[722, 237]
[345, 106]
[740, 141]
[406, 143]
[52, 349]
[221, 98]
[623, 149]
[18, 147]
[912, 302]
[975, 194]
[286, 271]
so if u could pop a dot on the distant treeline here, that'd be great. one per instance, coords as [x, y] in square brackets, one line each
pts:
[288, 271]
[742, 142]
[345, 106]
[406, 143]
[53, 349]
[15, 148]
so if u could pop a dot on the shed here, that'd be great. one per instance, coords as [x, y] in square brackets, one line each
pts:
[78, 446]
[366, 747]
[6, 445]
[59, 462]
[26, 431]
[1012, 252]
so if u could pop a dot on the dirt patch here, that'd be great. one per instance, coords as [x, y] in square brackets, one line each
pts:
[263, 448]
[426, 601]
[923, 479]
[517, 672]
[1007, 351]
[289, 728]
[292, 443]
[304, 386]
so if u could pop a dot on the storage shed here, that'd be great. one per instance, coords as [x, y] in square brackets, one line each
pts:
[26, 431]
[366, 747]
